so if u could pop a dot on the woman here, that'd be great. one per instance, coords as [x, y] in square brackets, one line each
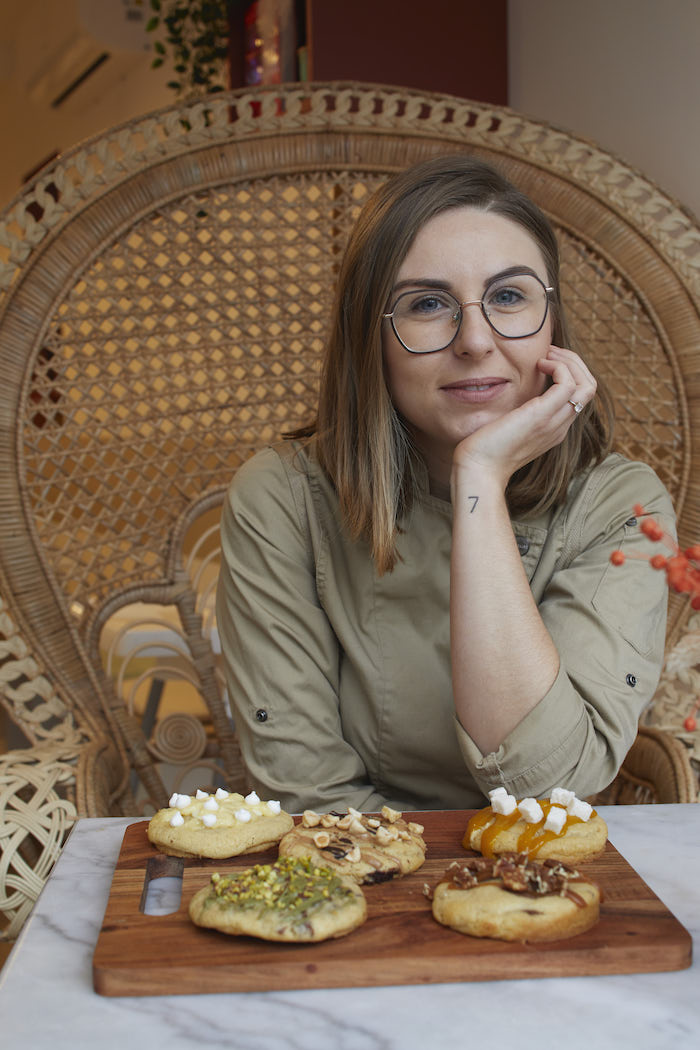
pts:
[416, 603]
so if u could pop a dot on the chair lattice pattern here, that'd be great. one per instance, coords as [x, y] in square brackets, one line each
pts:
[188, 344]
[620, 339]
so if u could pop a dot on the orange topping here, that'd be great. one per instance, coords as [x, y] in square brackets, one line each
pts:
[531, 838]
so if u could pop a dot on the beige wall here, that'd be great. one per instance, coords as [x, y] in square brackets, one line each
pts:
[625, 73]
[43, 44]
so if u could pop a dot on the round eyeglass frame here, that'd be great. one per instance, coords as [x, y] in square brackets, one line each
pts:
[460, 308]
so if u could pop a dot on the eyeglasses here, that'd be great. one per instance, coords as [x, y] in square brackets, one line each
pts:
[427, 320]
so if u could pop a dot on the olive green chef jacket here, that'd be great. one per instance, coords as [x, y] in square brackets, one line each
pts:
[339, 679]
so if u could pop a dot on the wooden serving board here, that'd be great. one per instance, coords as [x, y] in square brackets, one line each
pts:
[400, 943]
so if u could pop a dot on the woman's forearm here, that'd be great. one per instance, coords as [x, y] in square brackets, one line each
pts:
[503, 658]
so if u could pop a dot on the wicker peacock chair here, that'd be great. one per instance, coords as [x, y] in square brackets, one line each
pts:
[164, 289]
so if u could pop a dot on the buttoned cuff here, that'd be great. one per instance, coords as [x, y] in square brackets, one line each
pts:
[536, 755]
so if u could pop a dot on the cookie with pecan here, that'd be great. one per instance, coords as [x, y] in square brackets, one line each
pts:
[515, 898]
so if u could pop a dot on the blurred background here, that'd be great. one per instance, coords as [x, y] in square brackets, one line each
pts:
[623, 73]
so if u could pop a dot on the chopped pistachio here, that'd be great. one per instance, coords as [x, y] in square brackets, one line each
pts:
[292, 885]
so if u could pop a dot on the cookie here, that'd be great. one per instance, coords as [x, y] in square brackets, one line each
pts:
[290, 900]
[368, 848]
[514, 898]
[559, 828]
[218, 826]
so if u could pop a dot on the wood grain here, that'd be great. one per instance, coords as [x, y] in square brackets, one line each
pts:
[400, 943]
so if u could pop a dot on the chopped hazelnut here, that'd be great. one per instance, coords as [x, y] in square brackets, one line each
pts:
[354, 855]
[310, 819]
[329, 820]
[417, 829]
[321, 839]
[390, 814]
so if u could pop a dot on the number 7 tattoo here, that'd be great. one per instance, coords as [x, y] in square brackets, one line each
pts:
[476, 500]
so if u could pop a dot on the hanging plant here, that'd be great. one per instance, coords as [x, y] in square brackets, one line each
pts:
[195, 33]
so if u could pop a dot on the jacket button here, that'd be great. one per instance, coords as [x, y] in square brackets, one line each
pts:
[631, 522]
[631, 680]
[261, 714]
[523, 544]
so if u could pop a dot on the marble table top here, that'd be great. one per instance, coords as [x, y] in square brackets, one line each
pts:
[47, 999]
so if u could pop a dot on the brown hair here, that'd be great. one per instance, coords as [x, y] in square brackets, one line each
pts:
[361, 441]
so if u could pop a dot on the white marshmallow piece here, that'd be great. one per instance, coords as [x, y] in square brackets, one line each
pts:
[209, 819]
[556, 819]
[177, 820]
[243, 815]
[253, 798]
[172, 801]
[499, 792]
[561, 797]
[504, 804]
[274, 806]
[181, 801]
[201, 794]
[578, 808]
[211, 803]
[531, 810]
[221, 794]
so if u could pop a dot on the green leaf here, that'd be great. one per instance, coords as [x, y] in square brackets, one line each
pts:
[196, 36]
[152, 24]
[156, 63]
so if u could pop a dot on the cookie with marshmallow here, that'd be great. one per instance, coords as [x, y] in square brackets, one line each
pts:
[561, 827]
[218, 825]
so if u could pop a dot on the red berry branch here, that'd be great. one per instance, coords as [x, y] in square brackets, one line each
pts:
[682, 570]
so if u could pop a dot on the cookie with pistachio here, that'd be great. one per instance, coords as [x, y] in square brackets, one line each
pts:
[218, 825]
[290, 900]
[366, 847]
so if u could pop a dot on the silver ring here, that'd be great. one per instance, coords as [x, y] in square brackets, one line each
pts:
[577, 406]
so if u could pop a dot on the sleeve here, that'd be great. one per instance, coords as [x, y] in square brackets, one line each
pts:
[609, 625]
[280, 654]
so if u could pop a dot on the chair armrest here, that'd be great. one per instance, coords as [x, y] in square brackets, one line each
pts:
[657, 769]
[37, 810]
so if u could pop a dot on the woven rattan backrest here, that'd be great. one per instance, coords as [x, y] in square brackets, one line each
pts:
[165, 293]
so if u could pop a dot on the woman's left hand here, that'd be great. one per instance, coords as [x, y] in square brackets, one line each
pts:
[526, 432]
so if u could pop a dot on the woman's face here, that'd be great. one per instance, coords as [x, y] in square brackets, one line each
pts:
[445, 396]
